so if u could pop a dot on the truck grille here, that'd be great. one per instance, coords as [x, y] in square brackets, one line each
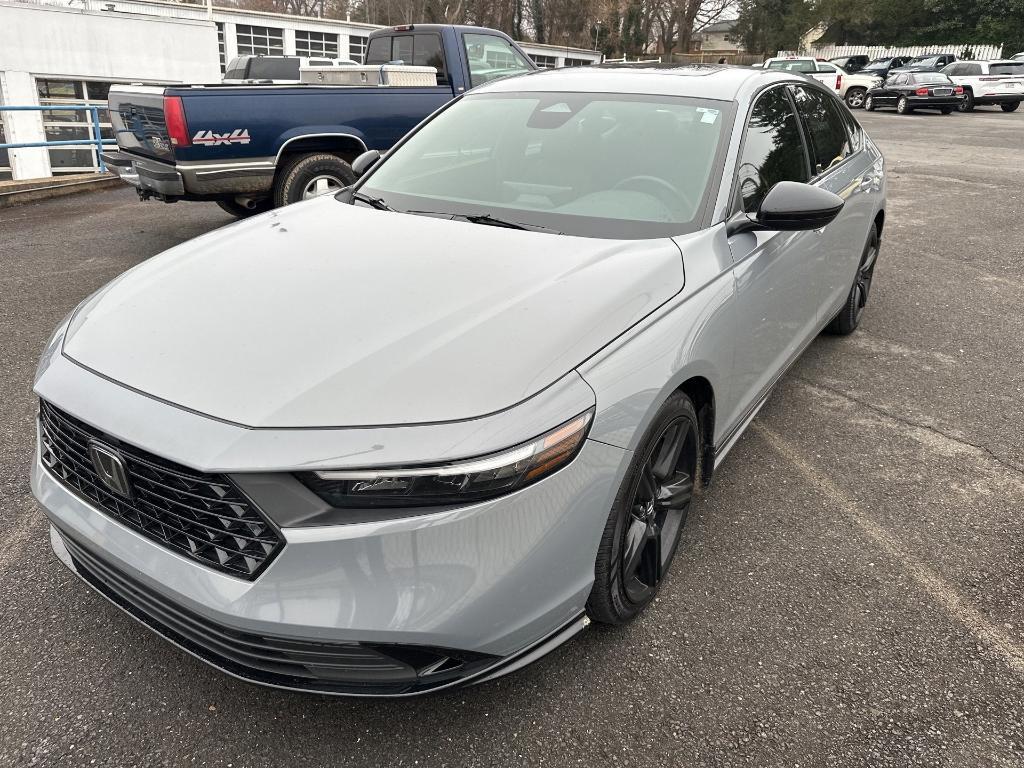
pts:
[322, 666]
[203, 517]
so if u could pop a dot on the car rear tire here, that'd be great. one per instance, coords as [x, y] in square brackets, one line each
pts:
[240, 211]
[848, 319]
[855, 97]
[967, 102]
[903, 106]
[647, 518]
[308, 176]
[946, 110]
[1009, 106]
[869, 103]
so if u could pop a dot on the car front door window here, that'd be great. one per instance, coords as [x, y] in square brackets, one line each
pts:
[772, 149]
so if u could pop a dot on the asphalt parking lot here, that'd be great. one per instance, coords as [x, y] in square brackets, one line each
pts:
[848, 592]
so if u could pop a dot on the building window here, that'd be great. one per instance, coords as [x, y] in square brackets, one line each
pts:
[544, 62]
[319, 44]
[253, 41]
[357, 48]
[73, 125]
[220, 46]
[578, 62]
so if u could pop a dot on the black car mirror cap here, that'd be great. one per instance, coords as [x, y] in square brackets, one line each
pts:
[789, 206]
[365, 162]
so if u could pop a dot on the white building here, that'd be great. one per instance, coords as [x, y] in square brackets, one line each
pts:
[69, 52]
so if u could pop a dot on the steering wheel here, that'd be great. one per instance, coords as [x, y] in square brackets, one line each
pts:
[638, 183]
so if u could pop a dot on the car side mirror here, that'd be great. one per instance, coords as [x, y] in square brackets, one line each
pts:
[789, 206]
[365, 162]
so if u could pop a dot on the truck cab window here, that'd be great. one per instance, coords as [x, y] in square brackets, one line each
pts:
[491, 57]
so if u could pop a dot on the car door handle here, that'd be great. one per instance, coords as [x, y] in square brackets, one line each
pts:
[867, 181]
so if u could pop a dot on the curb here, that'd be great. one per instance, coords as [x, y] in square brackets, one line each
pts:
[14, 193]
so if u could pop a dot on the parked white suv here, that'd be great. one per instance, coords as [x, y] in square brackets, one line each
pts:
[988, 82]
[823, 71]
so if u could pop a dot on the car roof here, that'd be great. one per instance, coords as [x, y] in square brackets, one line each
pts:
[706, 81]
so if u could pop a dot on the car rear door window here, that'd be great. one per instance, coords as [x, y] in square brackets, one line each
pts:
[379, 51]
[825, 127]
[773, 149]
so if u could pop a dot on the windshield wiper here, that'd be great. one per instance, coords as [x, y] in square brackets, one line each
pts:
[373, 202]
[489, 220]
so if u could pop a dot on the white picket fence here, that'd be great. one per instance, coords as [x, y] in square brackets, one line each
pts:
[980, 52]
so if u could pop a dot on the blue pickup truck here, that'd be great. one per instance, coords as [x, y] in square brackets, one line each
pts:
[250, 148]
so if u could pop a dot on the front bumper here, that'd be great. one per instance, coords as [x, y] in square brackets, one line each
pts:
[492, 585]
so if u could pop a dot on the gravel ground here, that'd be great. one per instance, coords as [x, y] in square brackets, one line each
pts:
[848, 593]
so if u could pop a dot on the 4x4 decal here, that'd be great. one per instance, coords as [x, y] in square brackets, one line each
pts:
[211, 139]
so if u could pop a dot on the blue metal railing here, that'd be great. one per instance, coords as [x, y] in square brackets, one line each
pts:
[97, 140]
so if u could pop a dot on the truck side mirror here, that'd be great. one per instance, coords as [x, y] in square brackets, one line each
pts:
[365, 162]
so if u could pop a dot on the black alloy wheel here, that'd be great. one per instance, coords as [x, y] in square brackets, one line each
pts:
[648, 516]
[849, 316]
[966, 102]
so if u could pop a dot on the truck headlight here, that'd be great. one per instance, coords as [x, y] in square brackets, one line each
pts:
[459, 482]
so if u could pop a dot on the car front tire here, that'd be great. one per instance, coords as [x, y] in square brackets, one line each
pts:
[946, 110]
[848, 319]
[869, 103]
[1009, 106]
[855, 98]
[643, 529]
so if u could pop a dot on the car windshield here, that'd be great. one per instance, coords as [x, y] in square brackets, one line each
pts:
[923, 61]
[587, 164]
[794, 65]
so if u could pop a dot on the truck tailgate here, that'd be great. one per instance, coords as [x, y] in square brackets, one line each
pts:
[137, 115]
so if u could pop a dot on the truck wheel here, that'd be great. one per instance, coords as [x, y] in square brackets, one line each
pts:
[1009, 106]
[240, 211]
[309, 176]
[855, 97]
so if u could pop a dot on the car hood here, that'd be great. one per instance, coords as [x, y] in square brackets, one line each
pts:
[324, 314]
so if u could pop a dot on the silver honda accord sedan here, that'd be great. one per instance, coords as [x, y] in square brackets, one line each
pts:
[418, 434]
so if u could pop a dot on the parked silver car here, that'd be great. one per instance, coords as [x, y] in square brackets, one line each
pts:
[418, 434]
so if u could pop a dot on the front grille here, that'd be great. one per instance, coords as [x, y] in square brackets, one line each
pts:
[203, 517]
[327, 667]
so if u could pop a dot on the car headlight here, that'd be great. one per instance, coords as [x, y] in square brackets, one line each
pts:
[459, 482]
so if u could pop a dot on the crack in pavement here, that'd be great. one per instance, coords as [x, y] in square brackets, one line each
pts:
[813, 385]
[942, 591]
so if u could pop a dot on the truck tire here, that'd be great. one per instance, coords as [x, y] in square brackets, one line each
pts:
[308, 176]
[240, 211]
